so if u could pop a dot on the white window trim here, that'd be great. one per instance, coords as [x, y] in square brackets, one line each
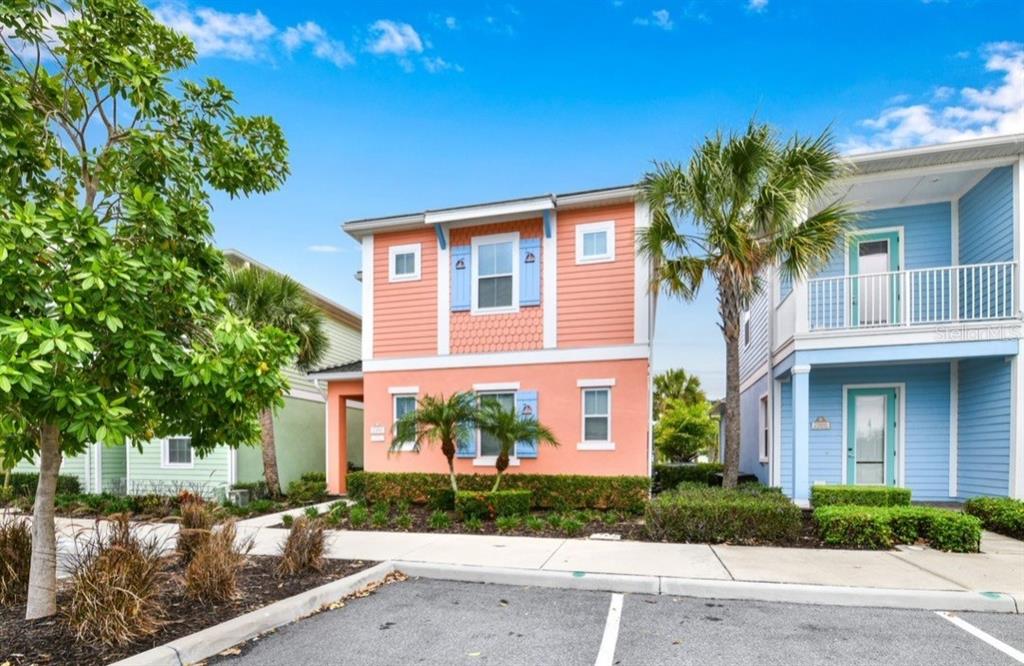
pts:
[164, 452]
[489, 461]
[475, 244]
[594, 445]
[745, 328]
[403, 446]
[393, 390]
[609, 228]
[762, 426]
[416, 250]
[595, 383]
[496, 387]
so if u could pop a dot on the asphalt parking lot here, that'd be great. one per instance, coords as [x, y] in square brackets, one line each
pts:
[423, 621]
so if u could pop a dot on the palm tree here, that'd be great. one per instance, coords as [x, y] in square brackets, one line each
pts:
[508, 428]
[438, 419]
[271, 299]
[675, 384]
[747, 198]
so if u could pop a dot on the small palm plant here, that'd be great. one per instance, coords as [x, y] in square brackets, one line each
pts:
[508, 428]
[438, 419]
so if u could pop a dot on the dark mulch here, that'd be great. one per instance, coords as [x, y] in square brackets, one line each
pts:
[50, 642]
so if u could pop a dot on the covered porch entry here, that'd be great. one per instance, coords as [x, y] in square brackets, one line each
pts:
[344, 389]
[938, 419]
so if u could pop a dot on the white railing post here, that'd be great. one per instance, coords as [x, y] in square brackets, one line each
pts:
[801, 303]
[904, 280]
[954, 293]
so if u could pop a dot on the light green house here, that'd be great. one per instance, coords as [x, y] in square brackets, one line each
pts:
[168, 466]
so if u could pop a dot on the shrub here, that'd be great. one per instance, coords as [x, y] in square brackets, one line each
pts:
[571, 527]
[851, 526]
[257, 489]
[999, 514]
[550, 491]
[508, 523]
[115, 586]
[380, 516]
[487, 504]
[287, 520]
[260, 506]
[826, 495]
[24, 484]
[15, 555]
[403, 521]
[554, 521]
[358, 516]
[312, 513]
[194, 529]
[610, 518]
[443, 498]
[667, 477]
[303, 550]
[473, 524]
[715, 515]
[212, 574]
[439, 520]
[534, 524]
[308, 488]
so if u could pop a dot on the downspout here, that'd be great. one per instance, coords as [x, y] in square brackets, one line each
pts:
[770, 416]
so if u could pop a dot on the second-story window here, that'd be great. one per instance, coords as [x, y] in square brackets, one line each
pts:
[495, 273]
[595, 242]
[404, 262]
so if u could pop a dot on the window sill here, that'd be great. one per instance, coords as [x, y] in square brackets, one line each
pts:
[407, 446]
[488, 461]
[494, 311]
[763, 461]
[584, 261]
[595, 446]
[403, 278]
[165, 465]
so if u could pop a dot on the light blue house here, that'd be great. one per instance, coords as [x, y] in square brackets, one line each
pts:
[900, 362]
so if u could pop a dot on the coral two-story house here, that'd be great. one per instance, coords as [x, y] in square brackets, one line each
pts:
[540, 303]
[900, 363]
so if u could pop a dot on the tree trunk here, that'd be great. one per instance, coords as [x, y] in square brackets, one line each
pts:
[270, 453]
[42, 580]
[448, 449]
[7, 478]
[732, 411]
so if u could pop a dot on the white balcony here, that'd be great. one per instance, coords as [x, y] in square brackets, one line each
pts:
[966, 293]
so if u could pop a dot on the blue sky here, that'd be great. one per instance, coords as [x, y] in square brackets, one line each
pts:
[394, 107]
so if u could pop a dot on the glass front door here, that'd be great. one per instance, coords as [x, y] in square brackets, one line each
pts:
[871, 437]
[874, 263]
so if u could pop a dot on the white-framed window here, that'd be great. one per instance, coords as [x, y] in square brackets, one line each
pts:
[404, 262]
[487, 445]
[176, 453]
[745, 320]
[595, 242]
[764, 442]
[402, 404]
[596, 426]
[495, 275]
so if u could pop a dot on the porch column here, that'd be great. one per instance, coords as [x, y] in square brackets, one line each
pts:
[801, 432]
[1016, 488]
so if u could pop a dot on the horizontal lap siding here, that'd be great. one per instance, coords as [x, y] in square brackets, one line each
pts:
[405, 313]
[750, 432]
[983, 451]
[927, 412]
[515, 331]
[343, 346]
[754, 354]
[786, 435]
[986, 219]
[146, 474]
[595, 301]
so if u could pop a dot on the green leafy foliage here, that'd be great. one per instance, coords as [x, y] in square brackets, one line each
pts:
[509, 427]
[1004, 515]
[440, 420]
[549, 491]
[358, 516]
[24, 484]
[439, 520]
[879, 527]
[491, 504]
[685, 430]
[308, 488]
[703, 514]
[667, 477]
[676, 385]
[826, 495]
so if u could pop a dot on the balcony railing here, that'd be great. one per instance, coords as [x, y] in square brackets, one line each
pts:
[972, 292]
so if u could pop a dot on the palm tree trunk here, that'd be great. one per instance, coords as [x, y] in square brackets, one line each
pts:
[730, 316]
[269, 453]
[497, 482]
[42, 579]
[451, 473]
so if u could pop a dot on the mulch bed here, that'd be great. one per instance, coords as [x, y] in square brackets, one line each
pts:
[50, 642]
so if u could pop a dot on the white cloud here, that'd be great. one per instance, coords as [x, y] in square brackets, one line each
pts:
[324, 47]
[898, 99]
[239, 36]
[438, 64]
[324, 249]
[757, 6]
[992, 110]
[660, 18]
[54, 19]
[451, 23]
[394, 38]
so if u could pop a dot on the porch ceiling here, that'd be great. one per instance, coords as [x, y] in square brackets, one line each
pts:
[910, 189]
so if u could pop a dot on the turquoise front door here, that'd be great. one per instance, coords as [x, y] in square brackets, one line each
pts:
[875, 288]
[871, 436]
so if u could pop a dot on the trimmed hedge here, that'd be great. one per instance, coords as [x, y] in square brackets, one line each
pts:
[748, 514]
[667, 477]
[549, 491]
[878, 527]
[24, 484]
[999, 514]
[486, 504]
[825, 495]
[310, 487]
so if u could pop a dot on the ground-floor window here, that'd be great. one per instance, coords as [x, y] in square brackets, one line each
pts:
[177, 452]
[597, 415]
[764, 443]
[488, 444]
[404, 404]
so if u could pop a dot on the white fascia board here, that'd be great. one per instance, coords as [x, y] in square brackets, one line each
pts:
[336, 376]
[549, 283]
[535, 205]
[535, 357]
[367, 297]
[641, 278]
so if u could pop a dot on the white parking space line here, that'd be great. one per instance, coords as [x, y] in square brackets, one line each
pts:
[1011, 652]
[606, 655]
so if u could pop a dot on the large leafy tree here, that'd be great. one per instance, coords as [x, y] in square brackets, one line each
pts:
[743, 204]
[684, 430]
[508, 427]
[438, 419]
[676, 384]
[112, 318]
[270, 299]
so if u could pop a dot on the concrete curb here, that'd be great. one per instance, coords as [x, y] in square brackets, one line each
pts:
[213, 640]
[826, 595]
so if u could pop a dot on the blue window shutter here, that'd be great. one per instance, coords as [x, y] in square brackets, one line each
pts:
[529, 271]
[462, 255]
[466, 446]
[526, 407]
